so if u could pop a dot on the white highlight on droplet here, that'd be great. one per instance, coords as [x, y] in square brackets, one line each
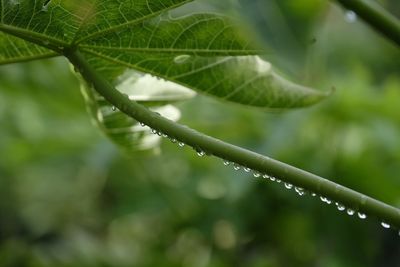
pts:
[350, 16]
[350, 212]
[361, 215]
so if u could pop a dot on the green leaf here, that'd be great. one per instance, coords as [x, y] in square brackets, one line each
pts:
[13, 49]
[204, 52]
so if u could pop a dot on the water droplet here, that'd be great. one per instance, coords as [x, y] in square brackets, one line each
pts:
[265, 176]
[159, 133]
[201, 153]
[350, 16]
[164, 135]
[246, 169]
[385, 225]
[272, 178]
[181, 144]
[350, 212]
[154, 131]
[299, 191]
[278, 181]
[142, 124]
[173, 140]
[256, 174]
[181, 59]
[113, 108]
[227, 162]
[288, 186]
[236, 167]
[340, 207]
[313, 194]
[326, 200]
[362, 216]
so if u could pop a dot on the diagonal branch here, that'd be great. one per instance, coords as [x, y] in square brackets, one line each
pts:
[377, 17]
[212, 146]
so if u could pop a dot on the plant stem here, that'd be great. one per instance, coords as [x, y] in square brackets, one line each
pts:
[376, 16]
[243, 157]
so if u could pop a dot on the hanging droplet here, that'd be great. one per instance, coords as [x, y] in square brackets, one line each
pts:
[227, 162]
[173, 140]
[181, 59]
[154, 131]
[246, 169]
[385, 225]
[159, 133]
[114, 108]
[299, 191]
[164, 135]
[326, 200]
[265, 176]
[256, 174]
[362, 216]
[350, 16]
[272, 178]
[278, 181]
[201, 153]
[313, 194]
[340, 207]
[236, 167]
[142, 124]
[350, 212]
[181, 144]
[288, 186]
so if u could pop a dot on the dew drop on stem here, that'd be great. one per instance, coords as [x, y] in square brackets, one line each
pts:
[236, 167]
[350, 212]
[227, 162]
[288, 186]
[256, 174]
[181, 144]
[246, 169]
[385, 225]
[350, 16]
[201, 153]
[361, 215]
[340, 207]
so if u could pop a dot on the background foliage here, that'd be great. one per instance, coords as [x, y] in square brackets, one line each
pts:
[68, 197]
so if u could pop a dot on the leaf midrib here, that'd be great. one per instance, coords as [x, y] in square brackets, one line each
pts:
[199, 51]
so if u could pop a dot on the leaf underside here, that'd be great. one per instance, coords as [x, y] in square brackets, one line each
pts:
[203, 52]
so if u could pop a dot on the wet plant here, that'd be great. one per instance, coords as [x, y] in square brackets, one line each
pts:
[135, 58]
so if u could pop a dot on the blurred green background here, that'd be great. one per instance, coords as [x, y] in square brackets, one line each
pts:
[69, 197]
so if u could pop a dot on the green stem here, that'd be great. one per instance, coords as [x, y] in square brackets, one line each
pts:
[376, 16]
[218, 148]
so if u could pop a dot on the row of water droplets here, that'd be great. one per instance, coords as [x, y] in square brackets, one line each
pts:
[256, 174]
[301, 192]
